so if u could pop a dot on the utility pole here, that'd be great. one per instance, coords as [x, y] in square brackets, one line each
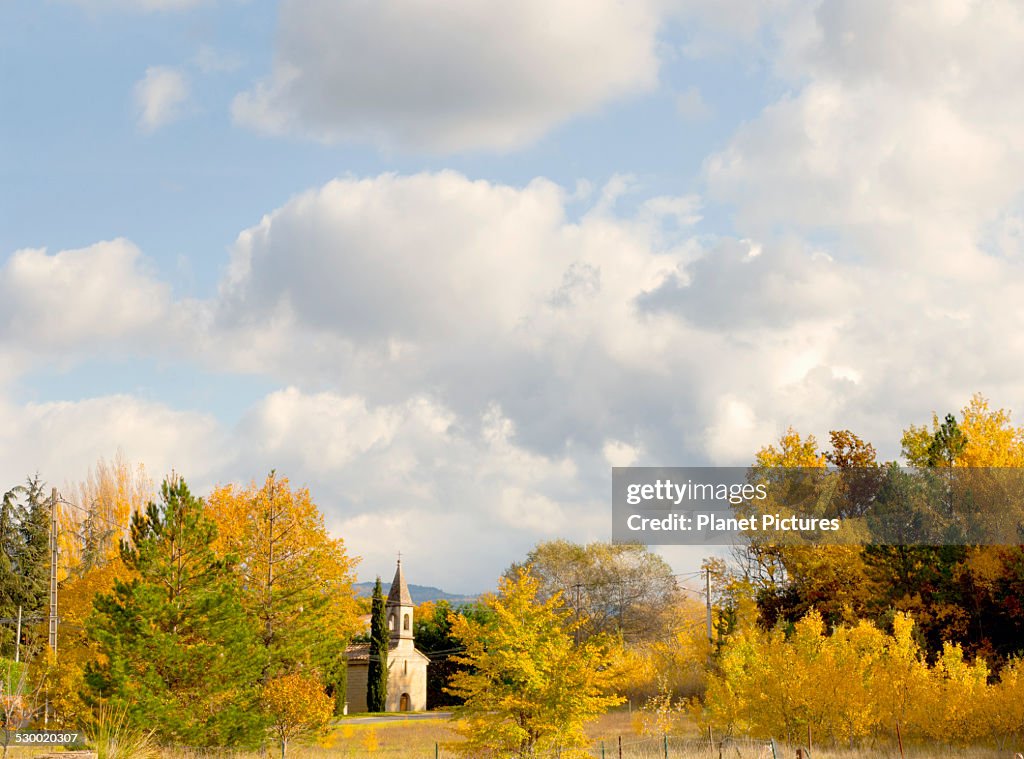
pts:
[578, 585]
[707, 594]
[53, 572]
[53, 592]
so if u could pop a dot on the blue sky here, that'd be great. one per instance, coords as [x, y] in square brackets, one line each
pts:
[446, 267]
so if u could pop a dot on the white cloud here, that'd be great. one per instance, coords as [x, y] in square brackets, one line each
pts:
[331, 257]
[78, 298]
[607, 327]
[411, 465]
[618, 453]
[896, 144]
[736, 284]
[418, 467]
[899, 133]
[160, 97]
[463, 358]
[458, 76]
[62, 440]
[735, 431]
[462, 361]
[471, 288]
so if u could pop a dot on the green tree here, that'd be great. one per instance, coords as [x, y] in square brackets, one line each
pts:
[377, 674]
[528, 688]
[947, 444]
[33, 548]
[176, 647]
[24, 554]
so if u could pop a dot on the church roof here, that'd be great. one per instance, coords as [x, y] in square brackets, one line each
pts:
[399, 593]
[359, 653]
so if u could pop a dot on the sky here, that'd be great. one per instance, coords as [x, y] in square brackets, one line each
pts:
[446, 264]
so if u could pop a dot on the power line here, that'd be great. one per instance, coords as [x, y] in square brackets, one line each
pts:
[92, 514]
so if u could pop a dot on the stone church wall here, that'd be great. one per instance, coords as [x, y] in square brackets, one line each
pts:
[408, 674]
[355, 691]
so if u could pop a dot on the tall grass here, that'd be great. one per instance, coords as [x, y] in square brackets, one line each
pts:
[115, 737]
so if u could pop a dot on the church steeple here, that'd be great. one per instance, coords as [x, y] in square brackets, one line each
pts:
[399, 608]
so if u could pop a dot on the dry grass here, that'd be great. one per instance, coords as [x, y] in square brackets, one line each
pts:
[417, 738]
[396, 737]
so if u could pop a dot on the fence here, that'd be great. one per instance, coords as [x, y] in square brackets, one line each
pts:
[630, 747]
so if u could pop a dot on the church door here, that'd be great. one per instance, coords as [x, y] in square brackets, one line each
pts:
[403, 705]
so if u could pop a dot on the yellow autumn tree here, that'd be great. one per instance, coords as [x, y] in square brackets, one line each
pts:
[981, 452]
[676, 663]
[903, 672]
[856, 684]
[296, 705]
[952, 707]
[1005, 705]
[66, 681]
[990, 439]
[98, 513]
[771, 685]
[528, 687]
[296, 579]
[663, 675]
[829, 578]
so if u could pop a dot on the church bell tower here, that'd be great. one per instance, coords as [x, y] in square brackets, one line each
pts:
[398, 610]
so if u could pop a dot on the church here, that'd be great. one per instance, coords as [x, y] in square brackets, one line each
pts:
[407, 667]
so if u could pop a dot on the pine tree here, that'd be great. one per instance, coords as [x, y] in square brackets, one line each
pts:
[377, 675]
[176, 647]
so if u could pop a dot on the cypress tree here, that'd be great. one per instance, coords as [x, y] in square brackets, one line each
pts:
[377, 676]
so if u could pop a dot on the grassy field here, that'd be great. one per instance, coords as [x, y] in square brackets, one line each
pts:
[428, 738]
[418, 738]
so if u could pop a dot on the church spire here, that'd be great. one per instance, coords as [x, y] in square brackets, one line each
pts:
[400, 608]
[399, 593]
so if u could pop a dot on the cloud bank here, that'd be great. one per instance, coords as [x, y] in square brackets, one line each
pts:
[457, 356]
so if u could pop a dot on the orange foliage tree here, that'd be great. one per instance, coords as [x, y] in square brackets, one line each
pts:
[296, 578]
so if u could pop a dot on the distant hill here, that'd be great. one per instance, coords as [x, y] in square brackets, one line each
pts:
[420, 593]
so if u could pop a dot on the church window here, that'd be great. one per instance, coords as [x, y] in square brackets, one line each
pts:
[405, 622]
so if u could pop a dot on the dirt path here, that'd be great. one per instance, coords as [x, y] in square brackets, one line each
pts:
[398, 717]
